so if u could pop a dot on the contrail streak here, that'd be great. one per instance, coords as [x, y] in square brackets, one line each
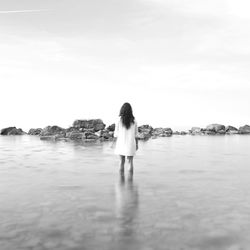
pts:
[19, 11]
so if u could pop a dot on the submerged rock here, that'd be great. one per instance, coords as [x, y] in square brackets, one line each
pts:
[244, 130]
[12, 131]
[96, 124]
[35, 131]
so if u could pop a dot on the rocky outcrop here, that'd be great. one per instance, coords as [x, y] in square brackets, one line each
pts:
[244, 130]
[162, 132]
[12, 131]
[180, 133]
[75, 135]
[96, 124]
[196, 131]
[231, 130]
[111, 127]
[144, 132]
[53, 133]
[35, 131]
[217, 128]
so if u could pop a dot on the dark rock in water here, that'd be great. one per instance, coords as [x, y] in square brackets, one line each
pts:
[73, 129]
[179, 133]
[221, 132]
[75, 135]
[144, 132]
[92, 136]
[111, 127]
[48, 138]
[215, 128]
[176, 133]
[196, 131]
[231, 130]
[145, 128]
[105, 134]
[53, 131]
[143, 136]
[12, 131]
[162, 132]
[96, 124]
[244, 130]
[6, 131]
[35, 131]
[208, 132]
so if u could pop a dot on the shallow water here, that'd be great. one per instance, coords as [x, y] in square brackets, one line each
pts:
[187, 192]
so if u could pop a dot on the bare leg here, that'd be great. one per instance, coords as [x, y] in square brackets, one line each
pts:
[122, 162]
[131, 164]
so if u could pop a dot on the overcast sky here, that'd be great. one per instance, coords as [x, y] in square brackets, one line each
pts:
[178, 62]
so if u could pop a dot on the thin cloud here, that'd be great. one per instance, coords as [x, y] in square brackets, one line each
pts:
[20, 11]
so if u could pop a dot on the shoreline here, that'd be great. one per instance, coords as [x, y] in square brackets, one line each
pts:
[95, 129]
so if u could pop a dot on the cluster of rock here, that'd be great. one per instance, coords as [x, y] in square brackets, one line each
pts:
[12, 131]
[95, 129]
[219, 129]
[86, 130]
[146, 131]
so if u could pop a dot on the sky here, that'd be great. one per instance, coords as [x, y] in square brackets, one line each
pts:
[179, 63]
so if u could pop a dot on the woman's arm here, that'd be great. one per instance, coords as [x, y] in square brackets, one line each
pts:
[136, 135]
[136, 141]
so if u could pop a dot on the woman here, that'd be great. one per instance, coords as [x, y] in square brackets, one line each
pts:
[126, 132]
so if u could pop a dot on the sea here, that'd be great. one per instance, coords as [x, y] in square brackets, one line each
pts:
[187, 192]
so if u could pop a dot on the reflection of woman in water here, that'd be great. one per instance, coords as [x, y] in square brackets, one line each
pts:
[127, 200]
[126, 132]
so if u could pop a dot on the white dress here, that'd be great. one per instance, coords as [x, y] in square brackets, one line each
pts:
[125, 143]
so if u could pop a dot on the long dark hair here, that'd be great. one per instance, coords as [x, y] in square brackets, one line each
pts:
[126, 114]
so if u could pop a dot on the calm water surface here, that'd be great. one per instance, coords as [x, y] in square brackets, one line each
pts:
[187, 193]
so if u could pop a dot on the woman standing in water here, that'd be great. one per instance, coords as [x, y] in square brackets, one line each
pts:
[126, 132]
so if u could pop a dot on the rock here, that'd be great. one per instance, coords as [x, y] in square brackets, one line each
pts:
[111, 127]
[74, 135]
[143, 136]
[53, 131]
[145, 128]
[144, 132]
[244, 130]
[96, 124]
[35, 131]
[73, 129]
[111, 133]
[92, 136]
[176, 133]
[221, 132]
[48, 138]
[208, 132]
[162, 132]
[215, 128]
[196, 131]
[12, 131]
[105, 134]
[231, 130]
